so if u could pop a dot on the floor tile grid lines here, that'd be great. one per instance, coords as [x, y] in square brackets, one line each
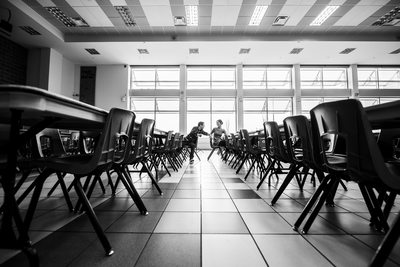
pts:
[251, 234]
[162, 213]
[282, 234]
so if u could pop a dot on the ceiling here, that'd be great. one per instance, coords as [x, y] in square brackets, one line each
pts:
[119, 44]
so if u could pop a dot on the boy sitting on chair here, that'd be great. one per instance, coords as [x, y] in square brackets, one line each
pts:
[191, 138]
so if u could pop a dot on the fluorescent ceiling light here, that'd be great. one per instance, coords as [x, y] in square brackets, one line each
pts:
[258, 15]
[192, 16]
[324, 15]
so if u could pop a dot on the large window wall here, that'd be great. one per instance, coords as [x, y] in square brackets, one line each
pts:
[177, 97]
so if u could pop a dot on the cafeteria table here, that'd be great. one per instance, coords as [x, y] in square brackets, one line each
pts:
[34, 109]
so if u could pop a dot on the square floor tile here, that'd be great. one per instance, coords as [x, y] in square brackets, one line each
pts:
[319, 226]
[232, 180]
[243, 193]
[115, 204]
[236, 186]
[280, 253]
[155, 194]
[212, 186]
[349, 222]
[135, 222]
[266, 223]
[346, 251]
[83, 224]
[176, 204]
[375, 240]
[218, 205]
[252, 205]
[127, 249]
[230, 250]
[187, 193]
[223, 223]
[188, 185]
[179, 222]
[287, 205]
[214, 193]
[171, 250]
[152, 204]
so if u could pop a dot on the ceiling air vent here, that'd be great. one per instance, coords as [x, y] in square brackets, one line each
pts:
[280, 20]
[296, 50]
[347, 51]
[389, 19]
[179, 21]
[143, 51]
[30, 30]
[92, 51]
[395, 52]
[244, 50]
[193, 50]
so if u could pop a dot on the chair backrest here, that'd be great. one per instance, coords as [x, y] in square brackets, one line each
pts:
[181, 141]
[88, 141]
[274, 142]
[169, 140]
[144, 141]
[49, 143]
[117, 128]
[175, 144]
[300, 141]
[347, 121]
[387, 141]
[246, 140]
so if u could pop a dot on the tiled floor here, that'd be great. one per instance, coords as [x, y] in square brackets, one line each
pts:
[207, 216]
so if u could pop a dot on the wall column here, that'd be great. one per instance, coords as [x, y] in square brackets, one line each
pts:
[297, 90]
[353, 81]
[239, 96]
[182, 100]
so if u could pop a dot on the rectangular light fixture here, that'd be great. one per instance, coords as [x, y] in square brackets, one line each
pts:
[192, 15]
[60, 16]
[296, 51]
[92, 51]
[126, 15]
[143, 51]
[347, 51]
[258, 15]
[29, 30]
[324, 15]
[179, 21]
[244, 50]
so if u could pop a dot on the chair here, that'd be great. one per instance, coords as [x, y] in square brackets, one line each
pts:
[346, 121]
[254, 152]
[119, 122]
[213, 148]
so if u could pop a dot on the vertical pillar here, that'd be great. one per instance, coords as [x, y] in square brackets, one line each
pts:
[297, 90]
[182, 100]
[353, 81]
[239, 95]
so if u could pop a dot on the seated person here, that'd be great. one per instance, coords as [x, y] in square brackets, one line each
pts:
[191, 138]
[218, 135]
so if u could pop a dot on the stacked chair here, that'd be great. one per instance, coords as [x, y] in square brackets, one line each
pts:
[255, 154]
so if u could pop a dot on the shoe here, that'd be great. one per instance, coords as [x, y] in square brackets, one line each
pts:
[191, 161]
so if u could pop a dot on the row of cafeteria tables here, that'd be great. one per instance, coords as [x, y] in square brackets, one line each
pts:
[36, 109]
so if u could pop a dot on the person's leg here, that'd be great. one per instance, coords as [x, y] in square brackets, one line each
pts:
[192, 148]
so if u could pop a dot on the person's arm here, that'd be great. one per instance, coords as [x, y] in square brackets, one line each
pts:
[203, 132]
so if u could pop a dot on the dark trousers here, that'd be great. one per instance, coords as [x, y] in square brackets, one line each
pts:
[191, 146]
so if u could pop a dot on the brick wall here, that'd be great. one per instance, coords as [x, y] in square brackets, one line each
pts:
[13, 60]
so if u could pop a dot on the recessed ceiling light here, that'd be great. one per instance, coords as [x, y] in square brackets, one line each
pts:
[60, 16]
[126, 15]
[389, 19]
[347, 51]
[80, 22]
[192, 15]
[30, 30]
[280, 20]
[143, 51]
[92, 51]
[179, 21]
[296, 50]
[193, 50]
[244, 50]
[258, 15]
[397, 51]
[324, 15]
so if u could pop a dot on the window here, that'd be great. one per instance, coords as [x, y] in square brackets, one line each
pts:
[210, 110]
[378, 78]
[165, 111]
[211, 78]
[258, 110]
[267, 78]
[371, 101]
[155, 78]
[308, 104]
[323, 78]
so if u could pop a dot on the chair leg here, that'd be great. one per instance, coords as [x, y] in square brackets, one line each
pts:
[367, 199]
[130, 187]
[387, 245]
[212, 151]
[152, 178]
[241, 165]
[266, 174]
[251, 167]
[311, 203]
[110, 182]
[285, 183]
[321, 201]
[53, 188]
[92, 217]
[64, 190]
